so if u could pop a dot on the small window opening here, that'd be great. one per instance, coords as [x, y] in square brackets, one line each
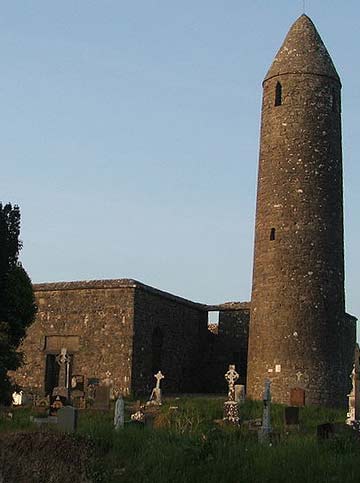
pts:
[272, 234]
[278, 94]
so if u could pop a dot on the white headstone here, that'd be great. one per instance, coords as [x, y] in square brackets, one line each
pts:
[119, 413]
[155, 397]
[17, 398]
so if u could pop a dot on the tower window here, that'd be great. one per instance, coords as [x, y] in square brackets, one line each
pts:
[272, 234]
[278, 94]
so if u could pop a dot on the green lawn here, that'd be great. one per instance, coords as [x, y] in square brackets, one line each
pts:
[187, 446]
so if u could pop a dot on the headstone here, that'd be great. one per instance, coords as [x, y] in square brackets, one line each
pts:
[102, 398]
[231, 410]
[67, 419]
[155, 397]
[60, 394]
[297, 396]
[17, 398]
[239, 393]
[63, 359]
[138, 417]
[291, 415]
[119, 413]
[108, 381]
[266, 429]
[351, 415]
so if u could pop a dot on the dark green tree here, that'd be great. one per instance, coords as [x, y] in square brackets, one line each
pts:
[17, 302]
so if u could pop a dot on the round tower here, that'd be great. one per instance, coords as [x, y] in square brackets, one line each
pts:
[297, 305]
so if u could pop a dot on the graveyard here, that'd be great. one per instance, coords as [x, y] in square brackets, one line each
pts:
[184, 438]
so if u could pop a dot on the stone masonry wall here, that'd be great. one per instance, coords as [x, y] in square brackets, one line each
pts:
[183, 326]
[96, 322]
[228, 345]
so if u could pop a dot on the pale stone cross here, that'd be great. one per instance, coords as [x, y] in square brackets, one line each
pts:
[231, 376]
[158, 378]
[63, 359]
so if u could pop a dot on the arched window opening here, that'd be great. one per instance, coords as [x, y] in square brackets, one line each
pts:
[278, 94]
[272, 234]
[157, 344]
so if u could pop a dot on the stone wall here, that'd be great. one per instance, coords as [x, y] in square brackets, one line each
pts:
[181, 327]
[227, 345]
[94, 320]
[108, 327]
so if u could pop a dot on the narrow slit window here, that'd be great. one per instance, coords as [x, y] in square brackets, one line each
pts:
[278, 94]
[272, 234]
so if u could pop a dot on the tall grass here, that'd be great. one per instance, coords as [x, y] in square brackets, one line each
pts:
[186, 445]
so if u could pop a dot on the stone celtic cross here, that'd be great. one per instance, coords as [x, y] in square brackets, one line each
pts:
[231, 376]
[158, 376]
[63, 359]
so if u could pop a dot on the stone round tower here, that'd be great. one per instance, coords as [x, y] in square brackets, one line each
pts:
[297, 305]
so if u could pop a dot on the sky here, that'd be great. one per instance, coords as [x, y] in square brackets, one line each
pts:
[130, 135]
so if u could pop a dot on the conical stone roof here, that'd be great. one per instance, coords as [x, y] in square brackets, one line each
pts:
[303, 52]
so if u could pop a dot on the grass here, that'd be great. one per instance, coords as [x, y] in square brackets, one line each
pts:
[186, 445]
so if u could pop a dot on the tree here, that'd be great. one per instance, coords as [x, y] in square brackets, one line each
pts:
[17, 302]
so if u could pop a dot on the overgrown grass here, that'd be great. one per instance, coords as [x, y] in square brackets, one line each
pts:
[186, 445]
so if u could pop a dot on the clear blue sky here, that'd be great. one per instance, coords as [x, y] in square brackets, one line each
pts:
[130, 132]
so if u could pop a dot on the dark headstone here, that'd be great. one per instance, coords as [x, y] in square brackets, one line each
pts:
[102, 398]
[67, 419]
[291, 415]
[297, 396]
[93, 381]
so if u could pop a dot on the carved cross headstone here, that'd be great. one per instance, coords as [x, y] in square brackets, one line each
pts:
[266, 428]
[231, 409]
[119, 413]
[155, 397]
[231, 376]
[63, 359]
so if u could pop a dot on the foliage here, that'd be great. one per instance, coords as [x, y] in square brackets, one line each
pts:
[17, 303]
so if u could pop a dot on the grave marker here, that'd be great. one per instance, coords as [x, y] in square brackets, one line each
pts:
[102, 398]
[291, 415]
[119, 413]
[231, 410]
[155, 397]
[266, 429]
[67, 419]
